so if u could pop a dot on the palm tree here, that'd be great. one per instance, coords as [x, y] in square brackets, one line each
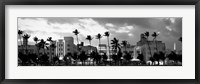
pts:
[89, 38]
[147, 36]
[76, 32]
[50, 46]
[180, 39]
[42, 45]
[26, 37]
[98, 36]
[36, 43]
[107, 34]
[20, 33]
[154, 39]
[124, 43]
[115, 44]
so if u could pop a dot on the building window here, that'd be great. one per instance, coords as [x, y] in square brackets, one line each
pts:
[68, 45]
[68, 49]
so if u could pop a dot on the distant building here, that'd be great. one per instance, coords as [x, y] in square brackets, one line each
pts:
[69, 45]
[88, 49]
[60, 48]
[25, 48]
[30, 49]
[103, 48]
[154, 46]
[129, 48]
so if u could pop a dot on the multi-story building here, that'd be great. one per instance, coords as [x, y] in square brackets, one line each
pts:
[60, 48]
[148, 48]
[69, 45]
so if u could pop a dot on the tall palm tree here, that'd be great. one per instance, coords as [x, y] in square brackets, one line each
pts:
[89, 38]
[36, 43]
[76, 32]
[107, 34]
[20, 32]
[98, 36]
[124, 43]
[147, 36]
[154, 39]
[50, 41]
[26, 37]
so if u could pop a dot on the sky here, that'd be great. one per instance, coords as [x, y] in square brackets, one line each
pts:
[129, 29]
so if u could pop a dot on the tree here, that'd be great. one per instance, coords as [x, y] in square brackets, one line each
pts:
[115, 44]
[36, 43]
[26, 37]
[20, 34]
[107, 34]
[154, 39]
[147, 36]
[50, 41]
[42, 45]
[140, 57]
[156, 57]
[76, 32]
[180, 39]
[98, 36]
[173, 56]
[89, 38]
[124, 43]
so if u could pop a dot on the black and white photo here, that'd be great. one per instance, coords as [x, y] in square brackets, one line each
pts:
[99, 41]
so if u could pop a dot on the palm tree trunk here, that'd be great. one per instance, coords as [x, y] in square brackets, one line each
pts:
[156, 45]
[109, 50]
[149, 48]
[26, 49]
[77, 39]
[90, 51]
[21, 43]
[99, 46]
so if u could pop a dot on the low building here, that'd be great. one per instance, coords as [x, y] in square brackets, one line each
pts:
[29, 49]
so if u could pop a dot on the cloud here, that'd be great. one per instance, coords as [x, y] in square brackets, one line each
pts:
[122, 28]
[41, 28]
[109, 25]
